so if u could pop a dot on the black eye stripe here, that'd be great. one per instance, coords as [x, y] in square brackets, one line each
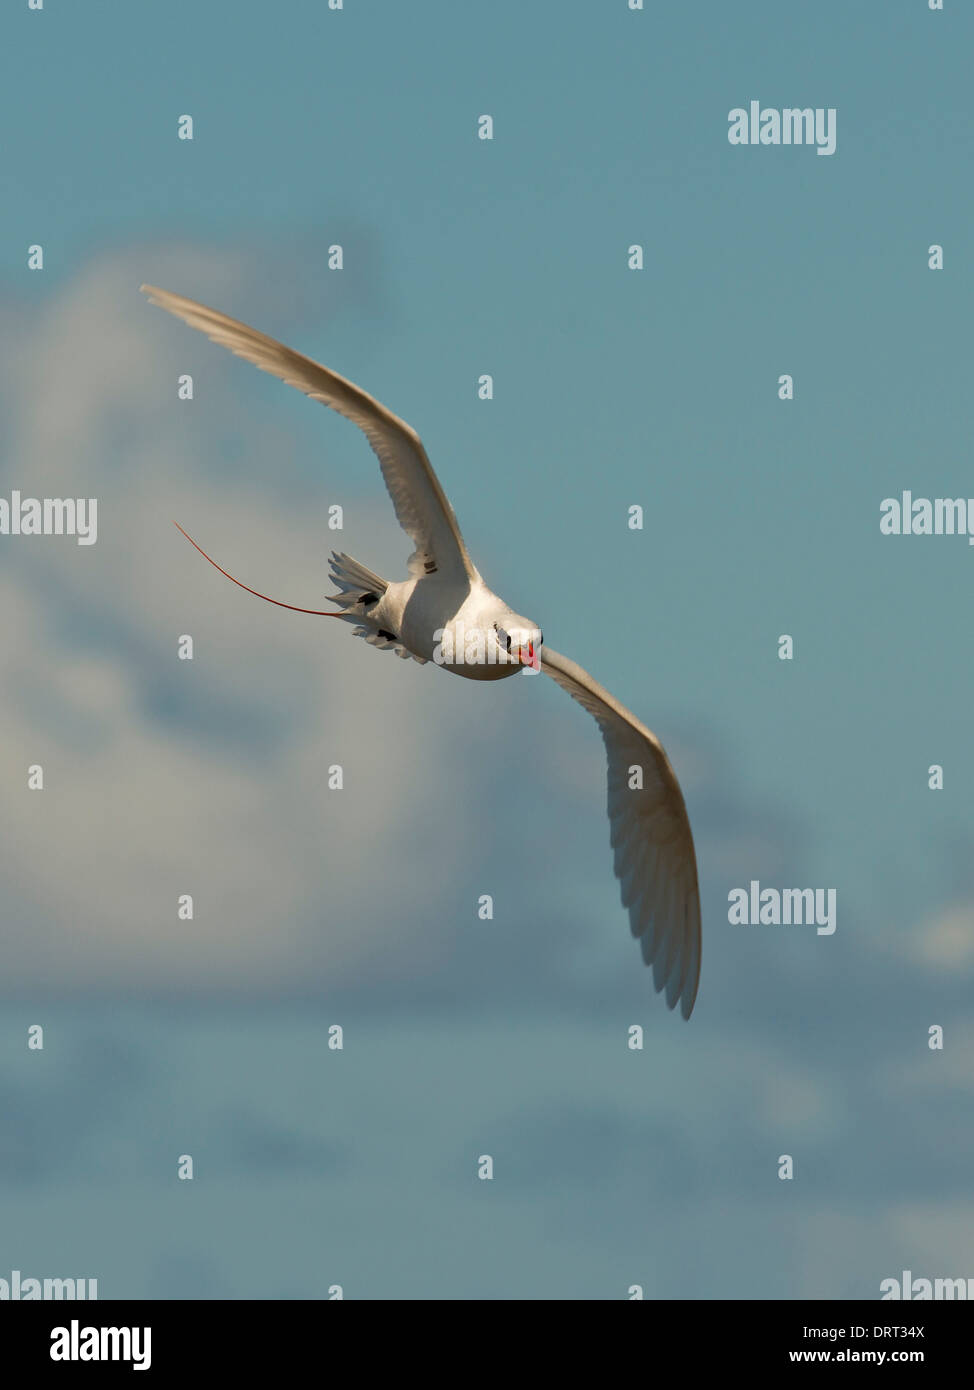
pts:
[523, 638]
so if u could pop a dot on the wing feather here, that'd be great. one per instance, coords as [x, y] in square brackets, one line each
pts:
[650, 833]
[420, 504]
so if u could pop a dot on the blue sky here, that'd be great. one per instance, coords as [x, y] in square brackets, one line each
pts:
[612, 387]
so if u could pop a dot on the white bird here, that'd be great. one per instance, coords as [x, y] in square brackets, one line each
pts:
[445, 612]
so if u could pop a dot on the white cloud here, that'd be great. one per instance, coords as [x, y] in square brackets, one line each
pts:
[227, 799]
[946, 942]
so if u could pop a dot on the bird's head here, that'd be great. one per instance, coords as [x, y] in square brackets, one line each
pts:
[518, 640]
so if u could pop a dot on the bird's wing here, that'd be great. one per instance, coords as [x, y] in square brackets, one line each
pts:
[421, 506]
[654, 857]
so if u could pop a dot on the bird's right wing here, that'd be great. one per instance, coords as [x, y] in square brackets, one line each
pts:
[650, 833]
[420, 503]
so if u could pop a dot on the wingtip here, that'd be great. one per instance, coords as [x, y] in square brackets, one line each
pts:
[689, 995]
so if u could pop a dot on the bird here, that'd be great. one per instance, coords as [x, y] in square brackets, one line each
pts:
[444, 612]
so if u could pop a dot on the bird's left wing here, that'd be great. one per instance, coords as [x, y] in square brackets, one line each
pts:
[650, 833]
[421, 506]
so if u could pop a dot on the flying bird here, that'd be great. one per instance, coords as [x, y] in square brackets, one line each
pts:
[443, 611]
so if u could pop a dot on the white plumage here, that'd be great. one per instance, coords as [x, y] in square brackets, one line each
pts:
[444, 612]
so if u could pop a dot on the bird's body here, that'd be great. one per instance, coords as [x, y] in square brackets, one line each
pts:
[458, 622]
[433, 617]
[457, 629]
[444, 612]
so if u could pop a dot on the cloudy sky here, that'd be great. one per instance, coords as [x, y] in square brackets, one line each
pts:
[358, 907]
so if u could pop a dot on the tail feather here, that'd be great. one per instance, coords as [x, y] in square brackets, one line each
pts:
[361, 589]
[354, 581]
